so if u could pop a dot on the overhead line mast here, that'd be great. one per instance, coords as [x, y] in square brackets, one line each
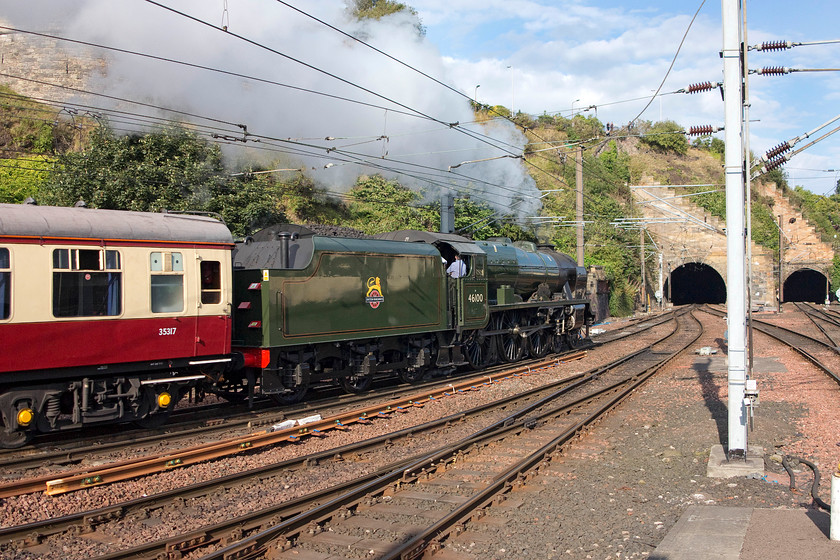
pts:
[735, 235]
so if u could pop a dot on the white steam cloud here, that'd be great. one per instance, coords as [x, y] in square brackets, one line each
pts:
[417, 151]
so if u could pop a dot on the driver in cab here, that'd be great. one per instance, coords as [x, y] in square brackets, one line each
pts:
[458, 268]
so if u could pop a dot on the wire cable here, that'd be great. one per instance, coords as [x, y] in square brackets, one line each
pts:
[674, 60]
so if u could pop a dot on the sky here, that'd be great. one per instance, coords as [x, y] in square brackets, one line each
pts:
[559, 56]
[603, 58]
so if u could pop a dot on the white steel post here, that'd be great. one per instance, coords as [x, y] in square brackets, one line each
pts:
[661, 293]
[735, 238]
[834, 525]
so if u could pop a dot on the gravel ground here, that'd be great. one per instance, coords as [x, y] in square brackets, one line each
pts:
[615, 494]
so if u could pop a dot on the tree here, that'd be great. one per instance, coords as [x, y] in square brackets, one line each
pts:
[247, 204]
[162, 170]
[377, 9]
[379, 205]
[478, 220]
[167, 170]
[580, 127]
[23, 178]
[666, 136]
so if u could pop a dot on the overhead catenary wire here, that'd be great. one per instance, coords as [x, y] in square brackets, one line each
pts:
[668, 72]
[208, 69]
[789, 144]
[318, 70]
[781, 159]
[217, 70]
[260, 138]
[383, 53]
[767, 46]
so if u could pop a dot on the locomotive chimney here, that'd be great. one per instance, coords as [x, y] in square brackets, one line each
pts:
[284, 237]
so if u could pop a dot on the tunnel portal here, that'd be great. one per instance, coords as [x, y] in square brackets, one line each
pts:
[806, 285]
[696, 283]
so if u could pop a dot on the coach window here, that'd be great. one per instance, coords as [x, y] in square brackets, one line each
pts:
[211, 282]
[167, 271]
[86, 283]
[5, 283]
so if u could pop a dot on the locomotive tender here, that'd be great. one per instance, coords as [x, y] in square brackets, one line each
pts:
[111, 316]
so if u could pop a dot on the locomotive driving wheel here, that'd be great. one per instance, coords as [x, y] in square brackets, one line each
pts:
[539, 341]
[510, 344]
[556, 343]
[479, 350]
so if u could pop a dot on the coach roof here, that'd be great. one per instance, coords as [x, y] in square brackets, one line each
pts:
[29, 220]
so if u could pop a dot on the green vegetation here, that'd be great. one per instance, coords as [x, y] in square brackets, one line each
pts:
[23, 177]
[30, 135]
[665, 136]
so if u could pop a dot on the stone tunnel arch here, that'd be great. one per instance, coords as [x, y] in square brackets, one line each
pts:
[695, 282]
[806, 284]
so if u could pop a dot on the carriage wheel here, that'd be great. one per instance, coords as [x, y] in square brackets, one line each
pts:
[294, 394]
[411, 376]
[13, 440]
[152, 420]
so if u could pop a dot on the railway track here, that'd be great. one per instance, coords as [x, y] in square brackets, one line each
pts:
[634, 328]
[434, 481]
[90, 476]
[813, 349]
[86, 521]
[416, 507]
[89, 522]
[207, 423]
[827, 323]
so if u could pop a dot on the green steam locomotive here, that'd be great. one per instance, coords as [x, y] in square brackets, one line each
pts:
[311, 309]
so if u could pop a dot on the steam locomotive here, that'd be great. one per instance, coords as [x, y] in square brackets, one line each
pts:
[112, 316]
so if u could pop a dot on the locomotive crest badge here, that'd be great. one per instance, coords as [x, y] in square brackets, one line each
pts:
[374, 295]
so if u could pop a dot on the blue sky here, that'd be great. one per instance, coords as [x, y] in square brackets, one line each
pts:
[603, 52]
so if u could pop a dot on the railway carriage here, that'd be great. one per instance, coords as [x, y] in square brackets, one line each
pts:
[107, 316]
